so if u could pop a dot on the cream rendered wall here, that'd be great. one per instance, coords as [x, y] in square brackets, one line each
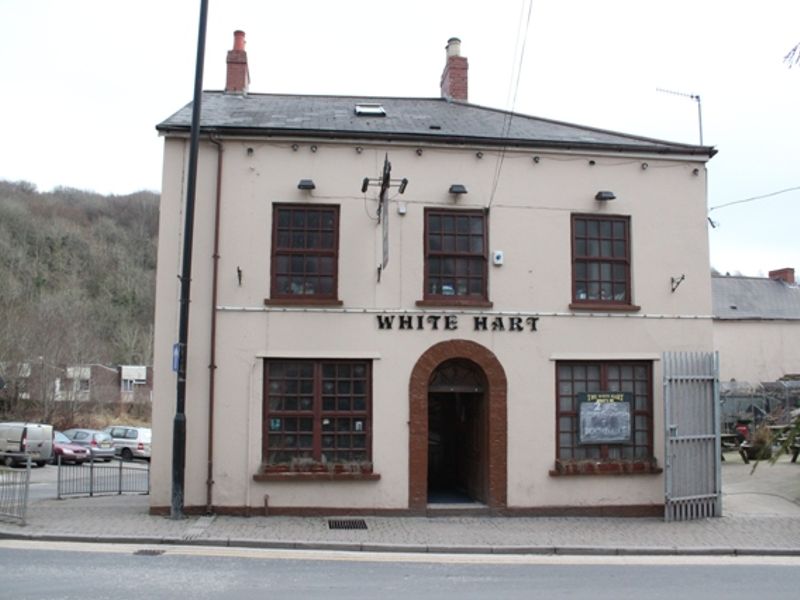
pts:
[756, 351]
[529, 220]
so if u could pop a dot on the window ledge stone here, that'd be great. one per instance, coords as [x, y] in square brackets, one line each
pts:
[608, 467]
[455, 303]
[302, 301]
[603, 307]
[297, 476]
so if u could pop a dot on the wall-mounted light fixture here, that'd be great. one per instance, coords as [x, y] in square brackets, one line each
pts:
[306, 184]
[592, 163]
[457, 189]
[250, 152]
[604, 196]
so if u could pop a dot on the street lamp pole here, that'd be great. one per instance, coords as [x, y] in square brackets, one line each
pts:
[179, 423]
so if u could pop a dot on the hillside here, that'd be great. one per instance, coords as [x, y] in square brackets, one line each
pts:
[77, 275]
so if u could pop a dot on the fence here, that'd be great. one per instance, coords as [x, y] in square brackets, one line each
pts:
[93, 478]
[14, 486]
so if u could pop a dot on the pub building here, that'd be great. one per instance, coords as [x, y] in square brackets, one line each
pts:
[412, 305]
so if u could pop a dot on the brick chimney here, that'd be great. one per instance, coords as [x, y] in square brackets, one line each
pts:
[785, 275]
[238, 78]
[454, 76]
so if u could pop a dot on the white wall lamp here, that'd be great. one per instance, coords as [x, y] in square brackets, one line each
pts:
[604, 196]
[306, 184]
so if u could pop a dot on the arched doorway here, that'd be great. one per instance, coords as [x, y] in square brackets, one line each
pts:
[464, 363]
[457, 434]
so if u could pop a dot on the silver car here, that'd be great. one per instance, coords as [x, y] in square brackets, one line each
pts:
[131, 442]
[99, 443]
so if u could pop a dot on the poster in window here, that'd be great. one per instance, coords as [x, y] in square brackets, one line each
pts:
[605, 417]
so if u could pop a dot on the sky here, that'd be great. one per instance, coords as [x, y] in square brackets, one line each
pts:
[85, 82]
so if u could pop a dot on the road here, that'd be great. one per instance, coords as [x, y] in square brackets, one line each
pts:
[71, 570]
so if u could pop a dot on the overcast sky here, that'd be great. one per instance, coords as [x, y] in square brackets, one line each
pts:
[85, 82]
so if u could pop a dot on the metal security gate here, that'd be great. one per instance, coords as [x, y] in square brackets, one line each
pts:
[693, 452]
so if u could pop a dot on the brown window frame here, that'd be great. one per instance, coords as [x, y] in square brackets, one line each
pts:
[432, 297]
[640, 383]
[614, 282]
[304, 383]
[280, 251]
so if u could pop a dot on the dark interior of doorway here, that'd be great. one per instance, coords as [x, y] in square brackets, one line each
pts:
[454, 448]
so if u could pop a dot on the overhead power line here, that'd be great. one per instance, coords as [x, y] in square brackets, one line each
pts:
[791, 189]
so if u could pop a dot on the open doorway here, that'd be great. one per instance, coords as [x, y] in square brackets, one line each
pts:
[457, 431]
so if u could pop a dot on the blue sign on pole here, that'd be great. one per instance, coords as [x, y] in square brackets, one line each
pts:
[176, 357]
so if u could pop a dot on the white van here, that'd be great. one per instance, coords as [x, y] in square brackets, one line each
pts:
[20, 439]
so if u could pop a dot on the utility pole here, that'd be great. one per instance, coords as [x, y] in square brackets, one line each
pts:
[179, 423]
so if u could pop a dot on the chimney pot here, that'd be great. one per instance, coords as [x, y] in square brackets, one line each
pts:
[455, 75]
[785, 275]
[453, 47]
[238, 40]
[238, 75]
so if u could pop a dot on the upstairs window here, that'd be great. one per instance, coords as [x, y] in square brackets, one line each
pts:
[305, 252]
[455, 256]
[601, 265]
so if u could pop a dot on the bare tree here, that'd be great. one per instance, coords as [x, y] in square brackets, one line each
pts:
[793, 56]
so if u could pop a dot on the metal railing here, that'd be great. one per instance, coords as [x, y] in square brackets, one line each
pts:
[14, 486]
[94, 479]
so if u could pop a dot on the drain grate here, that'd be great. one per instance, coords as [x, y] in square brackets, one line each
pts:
[148, 552]
[347, 524]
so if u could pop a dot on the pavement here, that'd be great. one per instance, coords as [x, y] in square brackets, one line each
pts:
[761, 516]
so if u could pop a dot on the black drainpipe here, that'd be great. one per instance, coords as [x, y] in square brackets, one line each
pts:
[212, 365]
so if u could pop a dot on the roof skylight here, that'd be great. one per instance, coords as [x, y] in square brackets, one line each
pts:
[370, 110]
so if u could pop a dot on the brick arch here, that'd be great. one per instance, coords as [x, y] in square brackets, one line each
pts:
[497, 426]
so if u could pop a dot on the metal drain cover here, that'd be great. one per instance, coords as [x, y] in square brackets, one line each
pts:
[347, 524]
[148, 552]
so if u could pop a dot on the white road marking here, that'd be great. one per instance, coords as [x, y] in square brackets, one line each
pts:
[400, 557]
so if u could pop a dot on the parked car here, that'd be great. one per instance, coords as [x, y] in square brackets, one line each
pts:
[131, 442]
[68, 451]
[19, 440]
[99, 443]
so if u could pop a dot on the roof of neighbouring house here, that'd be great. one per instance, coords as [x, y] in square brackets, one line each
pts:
[754, 298]
[431, 120]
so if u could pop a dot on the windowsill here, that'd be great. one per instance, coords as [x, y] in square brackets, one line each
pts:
[297, 476]
[608, 467]
[455, 301]
[604, 307]
[302, 301]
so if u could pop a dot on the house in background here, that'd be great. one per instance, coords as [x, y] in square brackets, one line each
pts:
[87, 383]
[757, 326]
[404, 304]
[757, 335]
[136, 384]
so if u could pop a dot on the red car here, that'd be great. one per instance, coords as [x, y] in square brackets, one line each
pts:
[68, 451]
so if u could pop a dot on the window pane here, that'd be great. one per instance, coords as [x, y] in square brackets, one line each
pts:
[301, 250]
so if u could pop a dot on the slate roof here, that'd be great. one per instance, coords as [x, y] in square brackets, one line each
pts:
[754, 298]
[411, 119]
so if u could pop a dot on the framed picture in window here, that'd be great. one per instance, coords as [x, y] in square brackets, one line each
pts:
[605, 417]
